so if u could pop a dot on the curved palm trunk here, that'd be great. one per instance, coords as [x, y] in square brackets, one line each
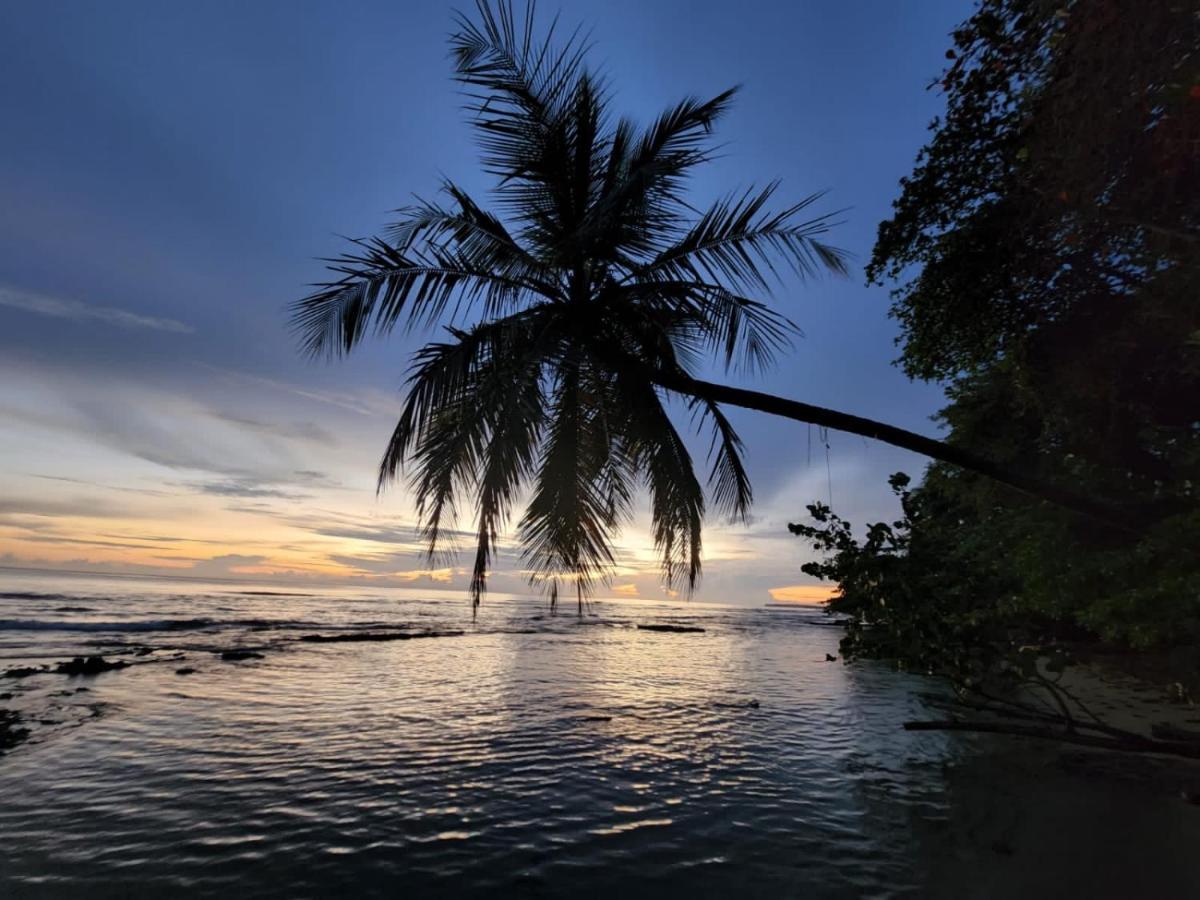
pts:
[897, 437]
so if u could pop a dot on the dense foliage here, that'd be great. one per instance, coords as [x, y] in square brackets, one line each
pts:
[1047, 253]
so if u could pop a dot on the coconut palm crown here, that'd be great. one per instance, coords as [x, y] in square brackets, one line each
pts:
[592, 277]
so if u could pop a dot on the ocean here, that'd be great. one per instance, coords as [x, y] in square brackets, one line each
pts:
[717, 752]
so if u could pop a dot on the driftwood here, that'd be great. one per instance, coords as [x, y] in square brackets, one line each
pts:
[1128, 743]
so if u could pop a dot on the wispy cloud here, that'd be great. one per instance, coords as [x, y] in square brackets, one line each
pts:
[245, 486]
[364, 402]
[307, 431]
[59, 308]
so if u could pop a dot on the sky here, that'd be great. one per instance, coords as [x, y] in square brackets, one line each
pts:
[170, 174]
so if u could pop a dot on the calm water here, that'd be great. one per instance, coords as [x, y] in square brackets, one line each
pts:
[532, 755]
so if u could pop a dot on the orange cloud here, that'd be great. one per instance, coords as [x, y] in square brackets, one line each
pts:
[807, 594]
[625, 590]
[444, 576]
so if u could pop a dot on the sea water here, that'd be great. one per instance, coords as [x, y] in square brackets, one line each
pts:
[518, 753]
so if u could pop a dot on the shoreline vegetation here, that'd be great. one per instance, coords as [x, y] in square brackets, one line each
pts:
[1045, 259]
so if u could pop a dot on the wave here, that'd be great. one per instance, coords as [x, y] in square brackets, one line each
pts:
[269, 594]
[140, 625]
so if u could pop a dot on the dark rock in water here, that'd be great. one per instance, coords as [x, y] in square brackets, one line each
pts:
[235, 655]
[352, 637]
[186, 670]
[829, 657]
[7, 695]
[11, 732]
[678, 629]
[88, 665]
[753, 704]
[24, 672]
[595, 718]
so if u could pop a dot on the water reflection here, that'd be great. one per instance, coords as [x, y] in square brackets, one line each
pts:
[733, 760]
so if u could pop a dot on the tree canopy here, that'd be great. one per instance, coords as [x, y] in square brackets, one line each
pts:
[1046, 256]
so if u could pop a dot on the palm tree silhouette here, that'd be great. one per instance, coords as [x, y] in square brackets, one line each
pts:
[598, 290]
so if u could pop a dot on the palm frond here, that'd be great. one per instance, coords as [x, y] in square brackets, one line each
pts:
[518, 82]
[472, 414]
[382, 284]
[519, 94]
[641, 196]
[516, 426]
[728, 480]
[736, 244]
[568, 524]
[676, 497]
[471, 232]
[702, 317]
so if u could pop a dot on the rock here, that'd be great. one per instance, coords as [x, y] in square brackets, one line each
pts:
[829, 657]
[235, 655]
[186, 670]
[355, 637]
[676, 629]
[24, 672]
[7, 695]
[88, 665]
[753, 704]
[11, 733]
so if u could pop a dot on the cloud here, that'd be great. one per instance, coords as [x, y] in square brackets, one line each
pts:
[394, 565]
[625, 590]
[243, 486]
[73, 507]
[300, 430]
[227, 564]
[368, 402]
[76, 311]
[807, 594]
[150, 492]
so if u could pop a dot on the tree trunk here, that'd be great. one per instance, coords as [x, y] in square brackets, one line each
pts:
[898, 437]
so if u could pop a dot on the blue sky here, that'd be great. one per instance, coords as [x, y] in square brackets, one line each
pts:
[170, 172]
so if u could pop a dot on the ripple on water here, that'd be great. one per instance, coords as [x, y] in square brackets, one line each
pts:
[507, 759]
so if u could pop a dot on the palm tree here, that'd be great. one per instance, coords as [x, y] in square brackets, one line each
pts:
[597, 291]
